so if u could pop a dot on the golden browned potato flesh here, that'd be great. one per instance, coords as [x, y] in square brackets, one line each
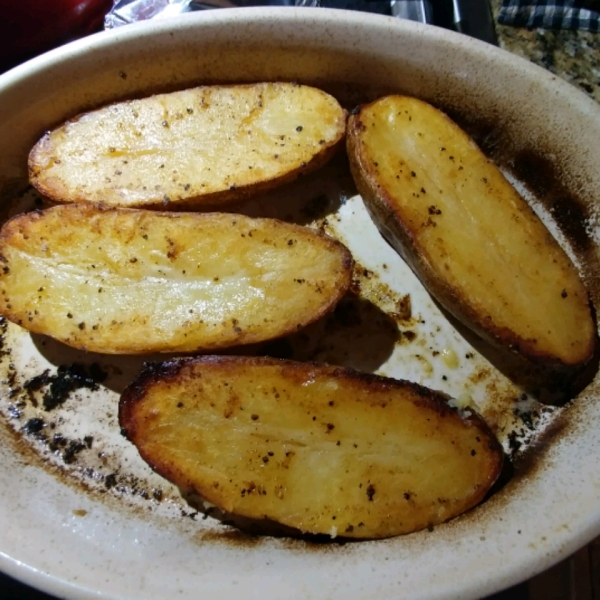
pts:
[471, 238]
[189, 148]
[137, 281]
[319, 448]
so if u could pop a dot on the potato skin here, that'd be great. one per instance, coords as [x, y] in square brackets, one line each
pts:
[503, 276]
[188, 149]
[129, 281]
[323, 449]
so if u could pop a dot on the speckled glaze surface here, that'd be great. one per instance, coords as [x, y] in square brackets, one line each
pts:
[82, 517]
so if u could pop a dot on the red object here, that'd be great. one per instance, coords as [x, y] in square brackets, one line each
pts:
[30, 27]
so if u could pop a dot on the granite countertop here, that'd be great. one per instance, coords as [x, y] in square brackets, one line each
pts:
[572, 55]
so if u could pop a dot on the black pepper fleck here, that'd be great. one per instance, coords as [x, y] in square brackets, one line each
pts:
[370, 492]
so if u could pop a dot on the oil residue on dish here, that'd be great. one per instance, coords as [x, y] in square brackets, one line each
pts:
[63, 404]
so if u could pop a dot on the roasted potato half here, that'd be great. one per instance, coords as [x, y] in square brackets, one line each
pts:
[189, 148]
[473, 241]
[136, 281]
[323, 449]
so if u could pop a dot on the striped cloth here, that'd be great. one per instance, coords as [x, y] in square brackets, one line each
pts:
[551, 14]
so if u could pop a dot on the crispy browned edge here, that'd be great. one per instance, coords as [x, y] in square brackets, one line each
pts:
[558, 381]
[153, 373]
[233, 194]
[20, 222]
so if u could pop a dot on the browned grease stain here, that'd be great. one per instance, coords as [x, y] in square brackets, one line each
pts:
[19, 439]
[527, 466]
[366, 283]
[230, 537]
[20, 445]
[480, 375]
[500, 398]
[515, 474]
[531, 462]
[235, 538]
[30, 457]
[570, 213]
[519, 471]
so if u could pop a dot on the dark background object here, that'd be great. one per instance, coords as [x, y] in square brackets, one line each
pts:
[473, 18]
[30, 27]
[10, 589]
[380, 7]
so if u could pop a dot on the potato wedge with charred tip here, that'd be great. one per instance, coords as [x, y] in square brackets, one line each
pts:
[189, 148]
[323, 449]
[474, 242]
[135, 281]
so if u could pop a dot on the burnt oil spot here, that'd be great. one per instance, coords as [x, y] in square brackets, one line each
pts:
[232, 537]
[110, 480]
[33, 426]
[539, 175]
[73, 448]
[527, 463]
[523, 464]
[67, 379]
[250, 535]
